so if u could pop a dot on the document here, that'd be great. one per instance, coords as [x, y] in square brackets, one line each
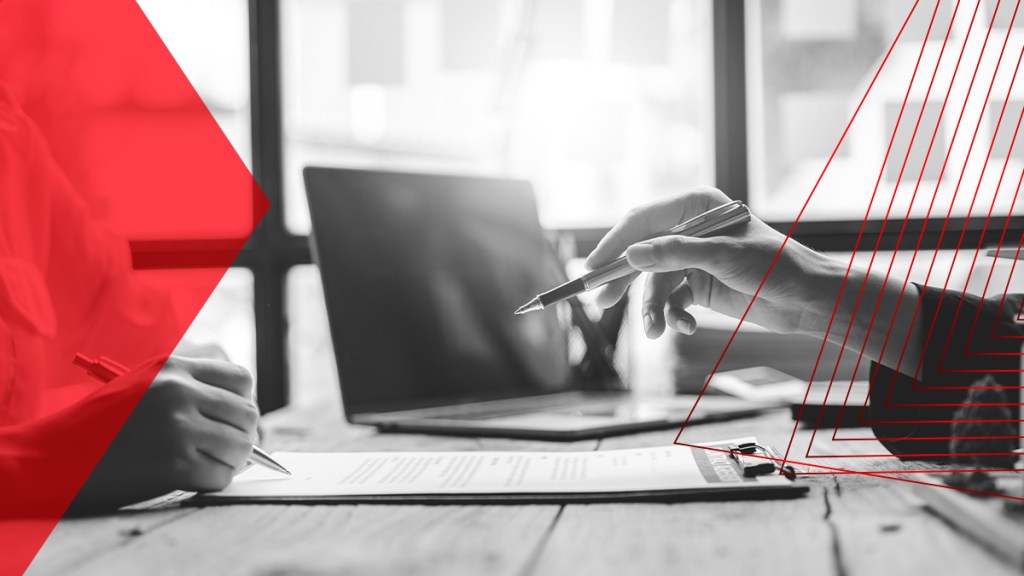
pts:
[427, 476]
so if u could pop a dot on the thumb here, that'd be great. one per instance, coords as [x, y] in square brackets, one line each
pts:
[671, 253]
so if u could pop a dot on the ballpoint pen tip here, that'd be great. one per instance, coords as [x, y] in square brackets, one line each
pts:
[530, 307]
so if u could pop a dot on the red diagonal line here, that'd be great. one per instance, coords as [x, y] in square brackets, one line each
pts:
[995, 195]
[946, 222]
[874, 192]
[874, 473]
[903, 167]
[1002, 303]
[938, 184]
[1002, 238]
[792, 228]
[970, 208]
[949, 211]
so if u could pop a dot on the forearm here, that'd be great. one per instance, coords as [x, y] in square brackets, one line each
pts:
[875, 317]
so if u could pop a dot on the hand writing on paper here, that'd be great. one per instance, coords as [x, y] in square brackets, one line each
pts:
[192, 430]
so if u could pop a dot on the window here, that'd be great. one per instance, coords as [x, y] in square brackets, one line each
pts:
[809, 64]
[602, 104]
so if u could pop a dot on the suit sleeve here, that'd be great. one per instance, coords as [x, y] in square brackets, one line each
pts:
[912, 418]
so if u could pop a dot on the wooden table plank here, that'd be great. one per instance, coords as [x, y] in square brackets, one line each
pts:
[848, 525]
[883, 529]
[382, 539]
[769, 537]
[338, 540]
[727, 537]
[75, 541]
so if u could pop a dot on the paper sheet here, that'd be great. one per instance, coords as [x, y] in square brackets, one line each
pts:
[665, 468]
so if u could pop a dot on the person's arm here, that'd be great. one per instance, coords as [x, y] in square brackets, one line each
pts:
[190, 424]
[876, 315]
[797, 288]
[188, 430]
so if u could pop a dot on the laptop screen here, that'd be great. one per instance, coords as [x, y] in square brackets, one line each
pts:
[421, 275]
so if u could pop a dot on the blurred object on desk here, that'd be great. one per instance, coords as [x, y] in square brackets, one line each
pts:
[758, 384]
[697, 355]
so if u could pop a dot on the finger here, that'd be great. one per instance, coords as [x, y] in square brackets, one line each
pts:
[635, 226]
[656, 293]
[223, 443]
[208, 473]
[676, 309]
[206, 350]
[613, 291]
[224, 375]
[645, 221]
[229, 408]
[680, 252]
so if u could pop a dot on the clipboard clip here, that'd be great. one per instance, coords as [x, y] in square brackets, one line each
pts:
[757, 460]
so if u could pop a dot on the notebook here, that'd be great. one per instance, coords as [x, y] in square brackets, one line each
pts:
[662, 473]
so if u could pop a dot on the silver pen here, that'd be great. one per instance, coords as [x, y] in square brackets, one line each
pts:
[706, 224]
[104, 369]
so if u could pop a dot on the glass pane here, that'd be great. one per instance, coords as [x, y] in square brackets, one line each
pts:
[602, 104]
[311, 370]
[810, 64]
[210, 41]
[105, 150]
[227, 319]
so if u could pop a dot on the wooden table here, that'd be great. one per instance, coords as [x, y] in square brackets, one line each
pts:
[847, 525]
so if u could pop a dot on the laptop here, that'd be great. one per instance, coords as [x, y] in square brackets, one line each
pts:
[422, 273]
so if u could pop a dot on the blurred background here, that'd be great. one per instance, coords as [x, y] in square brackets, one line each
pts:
[602, 104]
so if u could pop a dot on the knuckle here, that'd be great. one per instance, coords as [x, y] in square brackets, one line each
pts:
[244, 378]
[182, 465]
[252, 415]
[633, 213]
[668, 248]
[173, 363]
[181, 426]
[175, 391]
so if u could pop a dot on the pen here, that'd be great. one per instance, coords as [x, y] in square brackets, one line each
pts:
[104, 369]
[710, 222]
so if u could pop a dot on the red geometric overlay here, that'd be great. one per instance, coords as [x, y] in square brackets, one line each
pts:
[83, 162]
[963, 161]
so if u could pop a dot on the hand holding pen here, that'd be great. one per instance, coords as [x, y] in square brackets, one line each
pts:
[710, 222]
[795, 287]
[203, 411]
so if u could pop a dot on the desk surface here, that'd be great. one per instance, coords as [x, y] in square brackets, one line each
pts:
[847, 525]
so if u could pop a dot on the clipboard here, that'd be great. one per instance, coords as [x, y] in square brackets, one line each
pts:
[731, 469]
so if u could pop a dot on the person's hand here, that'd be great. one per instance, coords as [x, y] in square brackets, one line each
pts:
[718, 272]
[192, 430]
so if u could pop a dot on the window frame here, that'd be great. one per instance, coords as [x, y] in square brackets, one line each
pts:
[272, 250]
[825, 235]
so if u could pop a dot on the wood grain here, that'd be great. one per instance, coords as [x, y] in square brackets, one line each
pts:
[364, 539]
[731, 537]
[883, 529]
[270, 540]
[75, 541]
[849, 525]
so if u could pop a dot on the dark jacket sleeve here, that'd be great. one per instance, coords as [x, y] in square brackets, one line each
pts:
[900, 413]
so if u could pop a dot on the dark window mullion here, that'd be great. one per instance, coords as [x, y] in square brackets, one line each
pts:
[730, 97]
[269, 265]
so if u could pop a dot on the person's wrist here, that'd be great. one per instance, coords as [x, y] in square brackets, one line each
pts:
[820, 282]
